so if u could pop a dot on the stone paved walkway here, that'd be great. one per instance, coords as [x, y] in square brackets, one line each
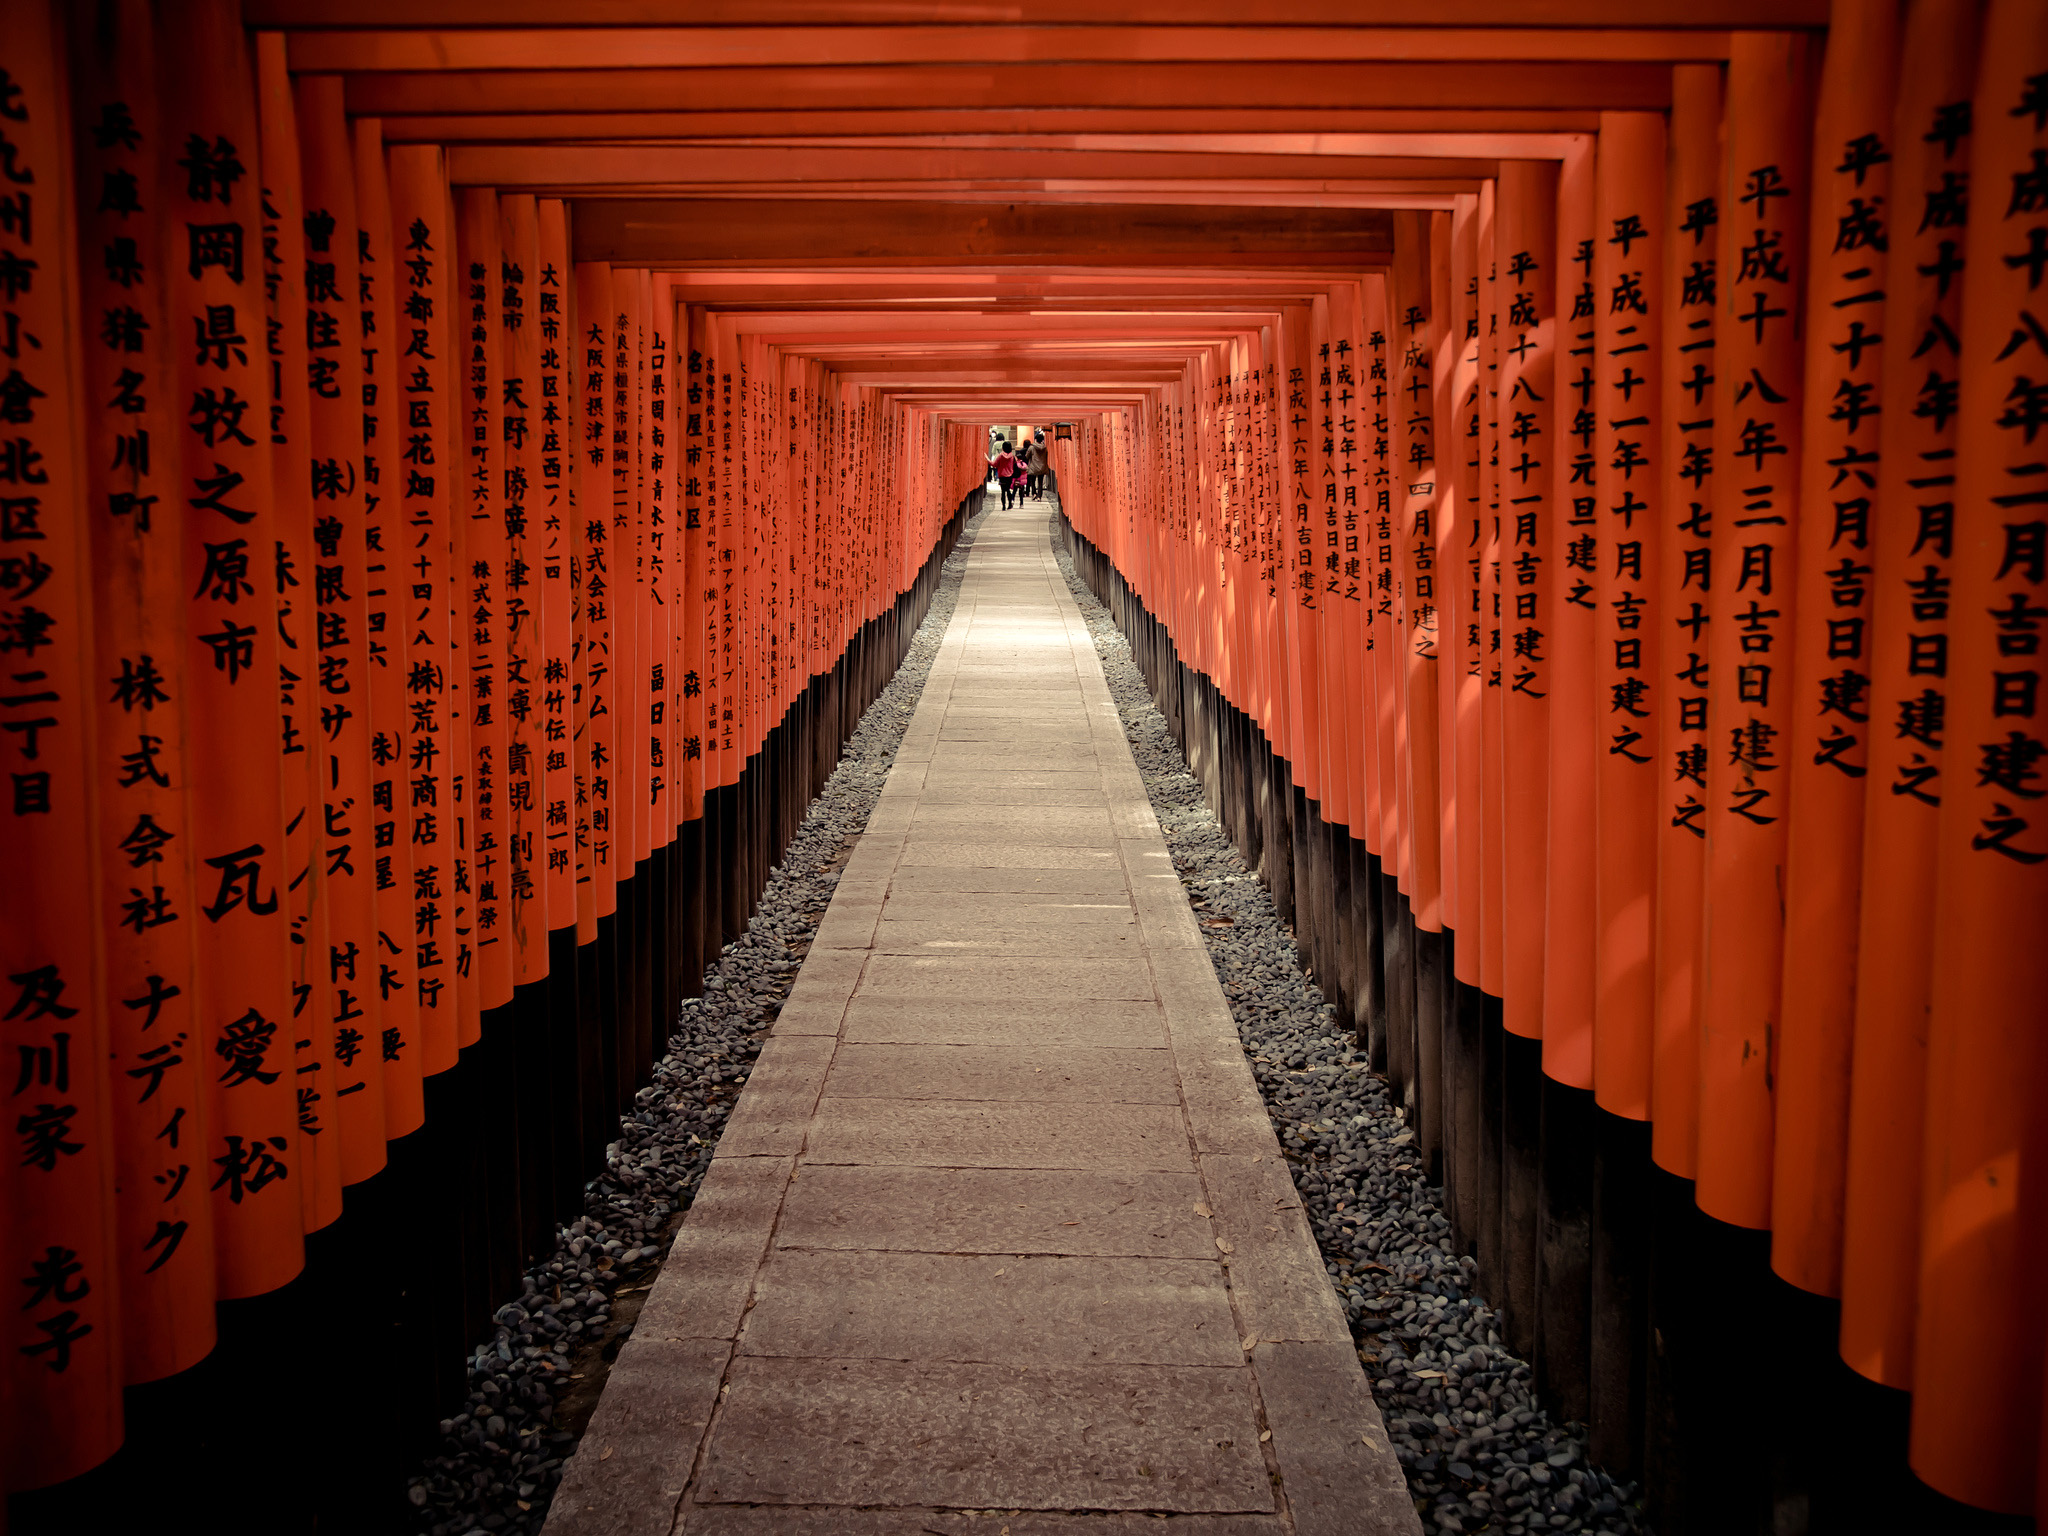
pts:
[998, 1237]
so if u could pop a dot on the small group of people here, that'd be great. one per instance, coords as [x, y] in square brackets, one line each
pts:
[1020, 472]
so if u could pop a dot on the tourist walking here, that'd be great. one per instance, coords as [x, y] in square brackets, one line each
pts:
[1005, 463]
[1035, 465]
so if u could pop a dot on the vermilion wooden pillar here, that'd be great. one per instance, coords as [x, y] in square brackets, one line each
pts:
[1526, 248]
[1464, 579]
[1574, 551]
[1311, 422]
[1686, 371]
[64, 1356]
[1630, 300]
[1458, 524]
[1977, 1376]
[481, 595]
[556, 509]
[234, 746]
[593, 718]
[147, 897]
[663, 568]
[1377, 326]
[389, 623]
[1912, 542]
[1827, 760]
[1757, 407]
[626, 814]
[1491, 316]
[460, 699]
[336, 585]
[326, 1118]
[1627, 644]
[526, 609]
[422, 460]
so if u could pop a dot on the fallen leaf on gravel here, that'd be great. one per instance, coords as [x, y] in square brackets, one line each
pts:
[1250, 1342]
[1223, 1245]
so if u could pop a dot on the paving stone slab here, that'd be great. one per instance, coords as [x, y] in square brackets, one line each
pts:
[849, 923]
[993, 781]
[877, 854]
[1012, 909]
[903, 779]
[1065, 714]
[941, 1133]
[1018, 754]
[1105, 880]
[956, 853]
[782, 1089]
[1024, 674]
[1062, 1074]
[1336, 1463]
[828, 976]
[1276, 1270]
[1106, 935]
[969, 691]
[1045, 731]
[1002, 1021]
[629, 1471]
[990, 812]
[1078, 979]
[883, 1432]
[1087, 840]
[1061, 707]
[810, 1017]
[701, 1293]
[995, 1309]
[741, 1520]
[1016, 757]
[996, 1210]
[1035, 791]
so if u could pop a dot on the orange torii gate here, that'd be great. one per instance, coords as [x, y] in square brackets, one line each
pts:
[1566, 508]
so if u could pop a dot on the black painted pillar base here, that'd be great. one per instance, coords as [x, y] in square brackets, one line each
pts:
[1489, 1236]
[1464, 1113]
[1620, 1345]
[1427, 1118]
[1563, 1357]
[1521, 1185]
[1398, 938]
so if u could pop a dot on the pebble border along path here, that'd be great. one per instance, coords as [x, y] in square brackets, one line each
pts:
[501, 1457]
[1479, 1452]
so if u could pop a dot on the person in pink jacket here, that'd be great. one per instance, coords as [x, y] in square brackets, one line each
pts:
[1005, 463]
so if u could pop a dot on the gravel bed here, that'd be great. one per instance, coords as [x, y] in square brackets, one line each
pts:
[533, 1382]
[1480, 1453]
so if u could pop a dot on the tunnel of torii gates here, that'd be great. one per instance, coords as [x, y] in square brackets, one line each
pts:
[1572, 473]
